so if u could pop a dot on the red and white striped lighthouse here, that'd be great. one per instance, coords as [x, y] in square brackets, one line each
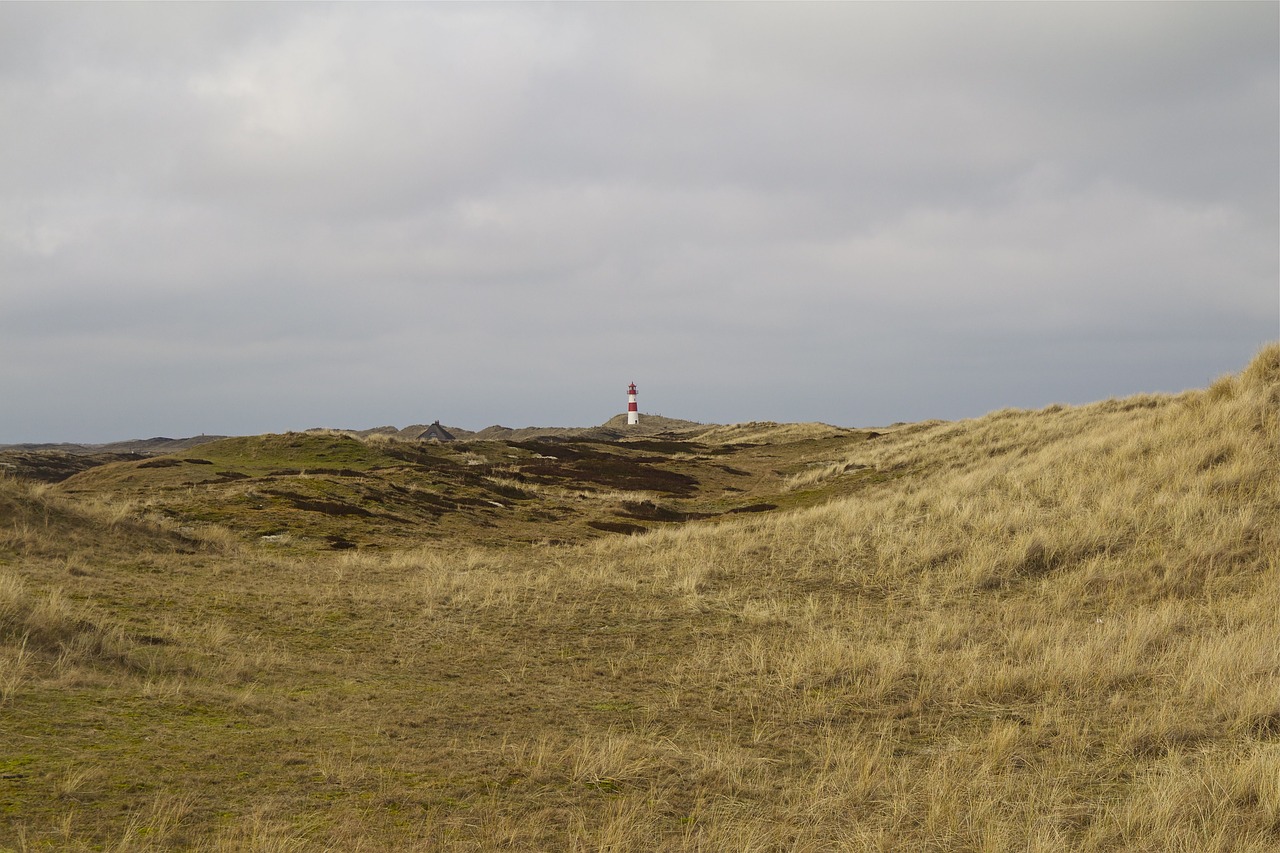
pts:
[633, 412]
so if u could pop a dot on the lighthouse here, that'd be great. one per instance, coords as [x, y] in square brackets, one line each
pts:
[633, 413]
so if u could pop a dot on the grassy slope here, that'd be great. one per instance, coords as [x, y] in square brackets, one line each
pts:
[333, 491]
[1046, 630]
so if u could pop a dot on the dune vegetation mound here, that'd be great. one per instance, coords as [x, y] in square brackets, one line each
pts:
[770, 432]
[1044, 630]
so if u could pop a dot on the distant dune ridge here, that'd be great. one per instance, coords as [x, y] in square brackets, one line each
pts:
[615, 427]
[1048, 630]
[137, 445]
[612, 429]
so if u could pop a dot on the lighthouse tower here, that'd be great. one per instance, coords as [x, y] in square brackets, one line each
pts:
[633, 413]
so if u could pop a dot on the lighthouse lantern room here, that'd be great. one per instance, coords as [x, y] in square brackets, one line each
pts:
[633, 412]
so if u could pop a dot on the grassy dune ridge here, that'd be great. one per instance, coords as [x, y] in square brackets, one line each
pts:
[1048, 630]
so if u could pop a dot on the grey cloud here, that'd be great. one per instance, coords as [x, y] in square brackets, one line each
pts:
[933, 208]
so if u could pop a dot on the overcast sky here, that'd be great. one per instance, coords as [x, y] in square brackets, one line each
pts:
[241, 218]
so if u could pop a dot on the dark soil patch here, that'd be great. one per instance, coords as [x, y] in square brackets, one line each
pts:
[654, 446]
[618, 473]
[421, 500]
[312, 505]
[650, 511]
[197, 461]
[727, 449]
[548, 447]
[162, 462]
[583, 464]
[752, 508]
[618, 527]
[514, 493]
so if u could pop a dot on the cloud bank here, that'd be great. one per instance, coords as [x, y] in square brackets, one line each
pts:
[247, 218]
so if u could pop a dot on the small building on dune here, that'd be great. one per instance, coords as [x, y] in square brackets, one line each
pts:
[435, 432]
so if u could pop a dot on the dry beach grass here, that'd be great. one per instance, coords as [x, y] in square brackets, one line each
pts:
[1050, 630]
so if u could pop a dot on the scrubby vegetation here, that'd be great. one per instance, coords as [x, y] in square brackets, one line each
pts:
[1050, 630]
